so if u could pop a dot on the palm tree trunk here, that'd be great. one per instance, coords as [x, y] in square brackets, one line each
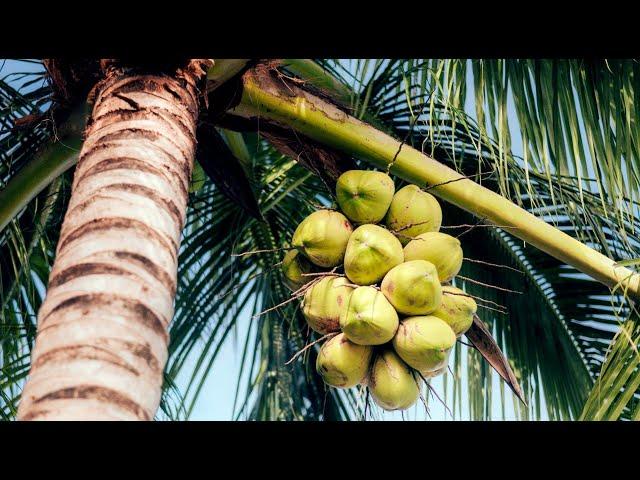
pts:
[102, 329]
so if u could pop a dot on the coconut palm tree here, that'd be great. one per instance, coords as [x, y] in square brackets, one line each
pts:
[553, 228]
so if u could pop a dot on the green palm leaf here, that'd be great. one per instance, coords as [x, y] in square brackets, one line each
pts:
[614, 394]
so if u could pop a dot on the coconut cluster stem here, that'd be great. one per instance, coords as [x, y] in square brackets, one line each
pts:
[308, 346]
[321, 121]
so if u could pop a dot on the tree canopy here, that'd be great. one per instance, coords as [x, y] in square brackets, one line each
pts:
[570, 156]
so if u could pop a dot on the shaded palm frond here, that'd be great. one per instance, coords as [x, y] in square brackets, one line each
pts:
[25, 264]
[27, 244]
[24, 124]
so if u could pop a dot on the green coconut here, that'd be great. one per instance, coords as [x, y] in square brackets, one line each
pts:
[443, 250]
[294, 266]
[391, 382]
[364, 196]
[342, 363]
[457, 309]
[413, 288]
[424, 342]
[412, 212]
[371, 252]
[369, 318]
[323, 303]
[322, 237]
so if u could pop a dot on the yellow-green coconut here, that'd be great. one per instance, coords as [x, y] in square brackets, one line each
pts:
[342, 363]
[413, 288]
[443, 250]
[434, 373]
[457, 309]
[364, 196]
[371, 252]
[369, 318]
[412, 212]
[294, 266]
[424, 342]
[324, 301]
[391, 382]
[322, 237]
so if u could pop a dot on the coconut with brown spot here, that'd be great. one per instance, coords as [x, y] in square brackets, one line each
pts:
[457, 309]
[412, 212]
[342, 363]
[322, 237]
[391, 382]
[323, 303]
[424, 342]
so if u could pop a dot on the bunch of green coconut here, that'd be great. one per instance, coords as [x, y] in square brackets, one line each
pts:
[376, 275]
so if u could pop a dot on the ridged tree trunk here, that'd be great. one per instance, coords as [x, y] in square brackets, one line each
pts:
[102, 330]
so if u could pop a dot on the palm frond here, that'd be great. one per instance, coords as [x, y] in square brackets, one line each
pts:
[27, 243]
[616, 393]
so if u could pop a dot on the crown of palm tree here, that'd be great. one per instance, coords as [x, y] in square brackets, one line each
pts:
[571, 341]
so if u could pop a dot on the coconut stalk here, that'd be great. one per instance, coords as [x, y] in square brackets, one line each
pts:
[290, 106]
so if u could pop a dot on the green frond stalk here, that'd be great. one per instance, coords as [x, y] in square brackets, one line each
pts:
[310, 71]
[43, 169]
[223, 69]
[238, 147]
[327, 124]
